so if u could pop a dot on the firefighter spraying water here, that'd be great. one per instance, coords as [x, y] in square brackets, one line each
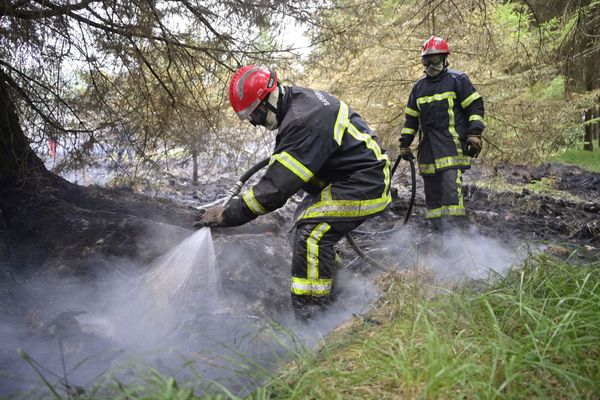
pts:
[323, 147]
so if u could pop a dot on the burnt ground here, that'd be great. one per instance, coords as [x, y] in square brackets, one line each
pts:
[554, 203]
[54, 232]
[567, 210]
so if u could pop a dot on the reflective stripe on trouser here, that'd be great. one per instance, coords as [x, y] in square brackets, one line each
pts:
[443, 194]
[313, 261]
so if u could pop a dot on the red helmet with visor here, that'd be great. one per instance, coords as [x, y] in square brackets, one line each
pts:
[248, 88]
[434, 45]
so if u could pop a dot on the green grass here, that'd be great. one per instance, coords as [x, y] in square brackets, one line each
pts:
[534, 334]
[589, 160]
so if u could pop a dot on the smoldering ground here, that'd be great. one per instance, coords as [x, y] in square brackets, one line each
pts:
[232, 324]
[189, 313]
[457, 255]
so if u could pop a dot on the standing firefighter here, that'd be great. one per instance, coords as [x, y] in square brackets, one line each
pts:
[323, 147]
[449, 112]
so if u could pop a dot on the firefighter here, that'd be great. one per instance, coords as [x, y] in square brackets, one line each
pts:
[323, 147]
[448, 111]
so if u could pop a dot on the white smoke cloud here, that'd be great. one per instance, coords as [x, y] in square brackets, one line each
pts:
[455, 255]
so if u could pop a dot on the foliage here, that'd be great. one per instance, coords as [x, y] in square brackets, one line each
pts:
[589, 160]
[532, 334]
[160, 68]
[86, 72]
[504, 47]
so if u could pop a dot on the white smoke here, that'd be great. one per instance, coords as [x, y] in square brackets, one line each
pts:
[454, 254]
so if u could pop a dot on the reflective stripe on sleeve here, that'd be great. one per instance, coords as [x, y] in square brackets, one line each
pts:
[467, 102]
[408, 131]
[252, 203]
[476, 117]
[316, 287]
[288, 161]
[412, 112]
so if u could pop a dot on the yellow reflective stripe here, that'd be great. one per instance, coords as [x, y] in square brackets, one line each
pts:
[451, 128]
[346, 208]
[314, 287]
[459, 188]
[467, 102]
[408, 131]
[312, 250]
[328, 207]
[252, 203]
[444, 162]
[288, 161]
[436, 97]
[412, 112]
[341, 123]
[454, 211]
[476, 117]
[427, 169]
[452, 161]
[372, 144]
[326, 194]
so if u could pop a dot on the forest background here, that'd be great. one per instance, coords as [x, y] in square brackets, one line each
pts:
[152, 76]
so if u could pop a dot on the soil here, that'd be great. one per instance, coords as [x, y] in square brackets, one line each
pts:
[56, 230]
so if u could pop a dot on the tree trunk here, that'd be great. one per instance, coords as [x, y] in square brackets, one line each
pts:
[596, 126]
[195, 166]
[17, 159]
[588, 138]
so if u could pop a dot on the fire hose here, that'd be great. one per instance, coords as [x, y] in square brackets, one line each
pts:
[237, 187]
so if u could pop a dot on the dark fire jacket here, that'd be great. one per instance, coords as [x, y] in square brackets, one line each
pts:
[446, 108]
[325, 148]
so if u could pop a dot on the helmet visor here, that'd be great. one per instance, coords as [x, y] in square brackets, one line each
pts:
[259, 115]
[245, 113]
[432, 59]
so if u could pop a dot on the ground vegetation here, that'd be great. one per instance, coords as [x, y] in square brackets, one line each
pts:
[104, 77]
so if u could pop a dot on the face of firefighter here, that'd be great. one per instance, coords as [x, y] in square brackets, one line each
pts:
[434, 64]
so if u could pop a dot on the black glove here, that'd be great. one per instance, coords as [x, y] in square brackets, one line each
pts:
[405, 140]
[473, 145]
[405, 153]
[209, 217]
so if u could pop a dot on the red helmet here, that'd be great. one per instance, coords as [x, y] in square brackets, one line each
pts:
[248, 87]
[434, 45]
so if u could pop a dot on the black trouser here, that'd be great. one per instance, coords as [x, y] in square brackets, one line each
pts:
[313, 264]
[444, 199]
